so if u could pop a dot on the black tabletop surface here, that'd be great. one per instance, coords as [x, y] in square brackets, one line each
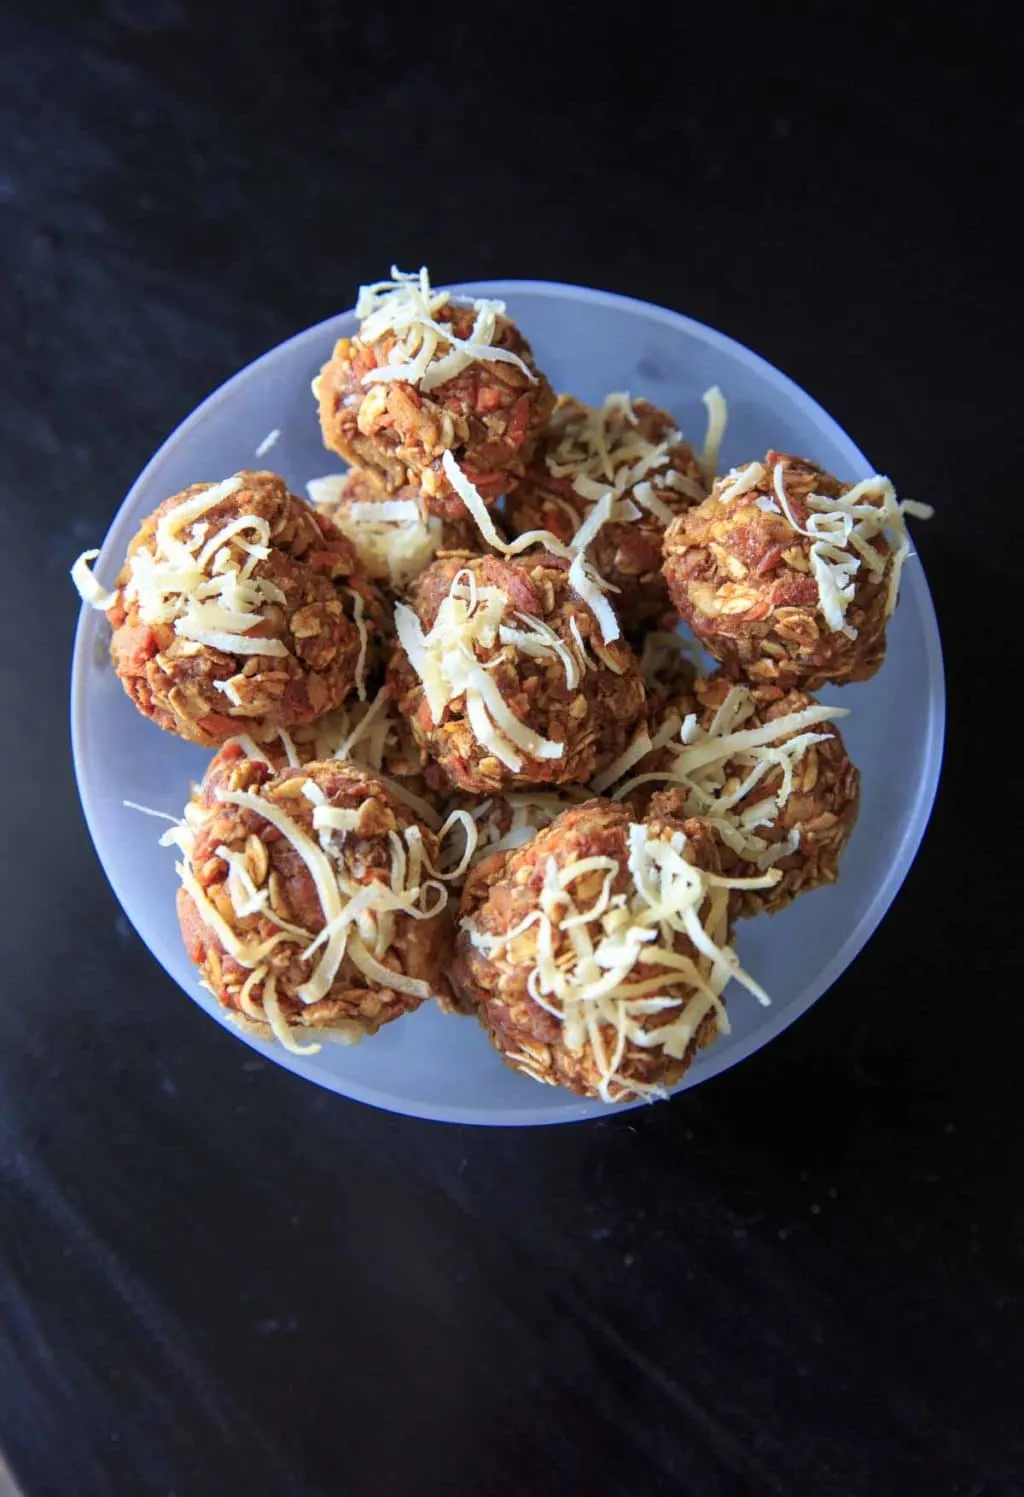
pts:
[801, 1278]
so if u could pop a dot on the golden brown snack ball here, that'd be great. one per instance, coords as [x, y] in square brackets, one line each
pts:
[626, 553]
[495, 977]
[488, 416]
[582, 697]
[743, 579]
[201, 583]
[246, 882]
[815, 818]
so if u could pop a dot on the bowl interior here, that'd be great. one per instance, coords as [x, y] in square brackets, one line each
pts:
[589, 342]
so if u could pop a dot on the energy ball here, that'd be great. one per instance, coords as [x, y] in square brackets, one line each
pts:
[768, 771]
[307, 900]
[394, 536]
[429, 375]
[577, 951]
[505, 678]
[239, 609]
[633, 449]
[788, 576]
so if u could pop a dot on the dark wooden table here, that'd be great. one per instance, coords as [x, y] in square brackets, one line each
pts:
[800, 1279]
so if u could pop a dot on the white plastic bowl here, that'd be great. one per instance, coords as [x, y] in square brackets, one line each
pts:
[589, 342]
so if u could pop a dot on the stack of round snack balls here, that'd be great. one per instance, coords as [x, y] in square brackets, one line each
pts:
[461, 752]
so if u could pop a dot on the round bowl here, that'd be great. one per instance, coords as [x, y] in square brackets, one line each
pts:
[430, 1065]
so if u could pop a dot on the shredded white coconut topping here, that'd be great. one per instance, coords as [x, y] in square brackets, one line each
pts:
[89, 589]
[588, 584]
[445, 659]
[505, 821]
[326, 491]
[842, 532]
[394, 539]
[372, 735]
[601, 449]
[719, 767]
[427, 353]
[718, 416]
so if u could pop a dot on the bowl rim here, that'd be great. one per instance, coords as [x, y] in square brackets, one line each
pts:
[713, 1062]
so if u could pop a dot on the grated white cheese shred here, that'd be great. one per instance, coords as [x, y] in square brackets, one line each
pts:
[89, 589]
[468, 493]
[604, 958]
[458, 819]
[842, 532]
[133, 805]
[269, 441]
[445, 659]
[388, 511]
[644, 495]
[427, 353]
